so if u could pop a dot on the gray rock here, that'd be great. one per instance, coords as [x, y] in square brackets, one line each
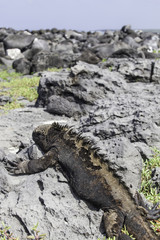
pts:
[156, 178]
[2, 155]
[3, 34]
[40, 45]
[131, 41]
[5, 61]
[73, 34]
[89, 57]
[152, 41]
[64, 46]
[18, 41]
[4, 100]
[22, 65]
[2, 51]
[46, 196]
[60, 106]
[106, 50]
[134, 70]
[127, 53]
[44, 60]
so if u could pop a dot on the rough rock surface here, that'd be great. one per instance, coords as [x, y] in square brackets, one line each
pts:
[116, 103]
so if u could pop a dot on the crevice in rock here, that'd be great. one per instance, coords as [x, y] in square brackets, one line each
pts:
[40, 184]
[152, 70]
[21, 223]
[41, 201]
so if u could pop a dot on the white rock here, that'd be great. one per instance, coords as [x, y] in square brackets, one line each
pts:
[14, 53]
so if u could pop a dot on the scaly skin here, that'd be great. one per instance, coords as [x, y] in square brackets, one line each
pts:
[91, 178]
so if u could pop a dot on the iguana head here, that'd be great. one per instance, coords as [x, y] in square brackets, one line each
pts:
[39, 135]
[46, 135]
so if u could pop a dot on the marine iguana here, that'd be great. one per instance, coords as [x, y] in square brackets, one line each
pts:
[91, 177]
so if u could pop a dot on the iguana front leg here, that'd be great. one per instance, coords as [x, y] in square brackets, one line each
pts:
[36, 165]
[150, 213]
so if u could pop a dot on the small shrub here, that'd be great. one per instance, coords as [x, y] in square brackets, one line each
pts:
[36, 235]
[104, 60]
[5, 233]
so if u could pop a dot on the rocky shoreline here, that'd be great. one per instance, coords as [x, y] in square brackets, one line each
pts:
[33, 51]
[108, 88]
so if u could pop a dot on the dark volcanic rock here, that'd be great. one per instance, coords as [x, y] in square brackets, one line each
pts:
[106, 50]
[89, 57]
[156, 178]
[40, 45]
[134, 70]
[2, 51]
[60, 106]
[44, 60]
[22, 65]
[18, 41]
[61, 48]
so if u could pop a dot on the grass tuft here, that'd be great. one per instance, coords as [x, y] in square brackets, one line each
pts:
[147, 188]
[9, 74]
[15, 86]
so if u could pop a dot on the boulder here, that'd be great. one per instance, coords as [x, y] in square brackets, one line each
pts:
[14, 53]
[6, 61]
[40, 45]
[3, 34]
[22, 65]
[89, 57]
[2, 50]
[70, 34]
[18, 41]
[43, 60]
[60, 106]
[64, 47]
[106, 50]
[152, 41]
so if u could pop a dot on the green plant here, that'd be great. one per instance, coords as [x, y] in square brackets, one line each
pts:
[124, 230]
[104, 60]
[5, 233]
[54, 69]
[147, 185]
[110, 68]
[36, 235]
[19, 87]
[9, 74]
[147, 188]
